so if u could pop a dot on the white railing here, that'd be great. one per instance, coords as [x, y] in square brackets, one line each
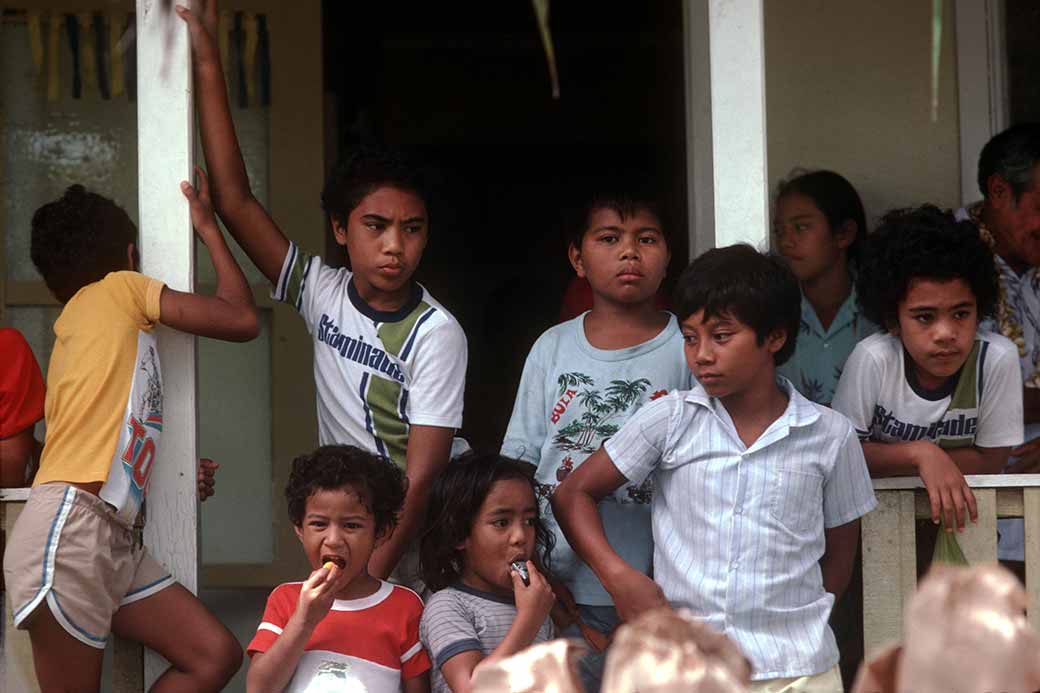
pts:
[890, 544]
[18, 674]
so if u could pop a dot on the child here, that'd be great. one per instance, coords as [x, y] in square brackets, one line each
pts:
[757, 491]
[21, 406]
[483, 520]
[819, 227]
[341, 629]
[389, 360]
[585, 377]
[932, 396]
[104, 409]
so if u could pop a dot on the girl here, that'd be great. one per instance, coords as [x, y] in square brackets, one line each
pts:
[819, 224]
[482, 520]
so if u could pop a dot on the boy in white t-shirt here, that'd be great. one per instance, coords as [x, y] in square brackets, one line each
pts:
[933, 396]
[389, 360]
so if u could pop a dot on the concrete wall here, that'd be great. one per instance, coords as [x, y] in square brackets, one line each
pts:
[848, 87]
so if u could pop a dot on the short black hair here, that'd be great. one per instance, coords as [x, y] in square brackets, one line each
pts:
[455, 500]
[366, 169]
[624, 198]
[923, 243]
[379, 483]
[78, 239]
[835, 197]
[1012, 155]
[758, 290]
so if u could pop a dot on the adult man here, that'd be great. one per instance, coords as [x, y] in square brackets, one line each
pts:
[1008, 218]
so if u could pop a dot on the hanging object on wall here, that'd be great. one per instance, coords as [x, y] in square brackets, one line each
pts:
[53, 56]
[116, 23]
[249, 46]
[541, 10]
[72, 30]
[937, 22]
[32, 20]
[97, 23]
[88, 56]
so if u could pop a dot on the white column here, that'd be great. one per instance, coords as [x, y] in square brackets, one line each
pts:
[738, 122]
[700, 188]
[165, 127]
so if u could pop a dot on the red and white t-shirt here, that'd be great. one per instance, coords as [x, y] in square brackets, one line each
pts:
[372, 641]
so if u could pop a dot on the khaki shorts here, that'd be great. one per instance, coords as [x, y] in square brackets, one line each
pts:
[827, 682]
[68, 549]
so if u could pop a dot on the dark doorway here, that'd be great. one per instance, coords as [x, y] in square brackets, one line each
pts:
[467, 86]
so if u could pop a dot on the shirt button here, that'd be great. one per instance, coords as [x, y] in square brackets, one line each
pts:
[739, 510]
[826, 345]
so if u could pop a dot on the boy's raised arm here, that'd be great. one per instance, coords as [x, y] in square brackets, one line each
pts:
[574, 505]
[244, 216]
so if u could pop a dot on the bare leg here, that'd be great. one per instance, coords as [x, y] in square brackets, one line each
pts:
[62, 662]
[203, 654]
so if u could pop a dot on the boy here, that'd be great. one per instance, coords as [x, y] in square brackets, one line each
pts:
[585, 377]
[389, 360]
[74, 565]
[757, 491]
[933, 396]
[341, 629]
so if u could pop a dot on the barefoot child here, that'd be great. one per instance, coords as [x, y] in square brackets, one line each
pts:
[389, 360]
[483, 529]
[820, 227]
[933, 396]
[757, 491]
[585, 377]
[342, 628]
[74, 566]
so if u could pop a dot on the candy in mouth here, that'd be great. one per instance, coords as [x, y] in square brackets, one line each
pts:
[330, 561]
[521, 568]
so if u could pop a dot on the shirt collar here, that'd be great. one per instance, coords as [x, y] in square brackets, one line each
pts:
[847, 314]
[799, 411]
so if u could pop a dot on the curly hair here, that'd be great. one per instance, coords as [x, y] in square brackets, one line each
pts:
[78, 239]
[923, 243]
[365, 170]
[758, 290]
[455, 500]
[835, 197]
[380, 484]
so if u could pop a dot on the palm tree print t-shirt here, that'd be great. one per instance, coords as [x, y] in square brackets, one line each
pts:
[572, 397]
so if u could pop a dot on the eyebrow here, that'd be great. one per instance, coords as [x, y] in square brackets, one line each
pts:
[618, 229]
[385, 220]
[924, 309]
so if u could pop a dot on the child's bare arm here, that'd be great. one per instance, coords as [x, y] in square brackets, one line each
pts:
[244, 216]
[976, 460]
[838, 557]
[229, 313]
[574, 505]
[418, 684]
[429, 450]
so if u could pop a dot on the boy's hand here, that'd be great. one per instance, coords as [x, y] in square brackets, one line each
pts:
[201, 207]
[948, 492]
[535, 599]
[1028, 461]
[207, 477]
[202, 27]
[318, 593]
[634, 593]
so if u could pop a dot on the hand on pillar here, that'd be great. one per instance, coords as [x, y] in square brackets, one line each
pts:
[207, 478]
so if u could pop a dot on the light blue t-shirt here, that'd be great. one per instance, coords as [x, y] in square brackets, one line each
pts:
[816, 365]
[572, 397]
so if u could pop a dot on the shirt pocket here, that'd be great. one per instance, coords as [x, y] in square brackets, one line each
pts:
[796, 499]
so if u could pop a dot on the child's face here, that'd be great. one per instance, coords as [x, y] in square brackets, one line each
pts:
[937, 324]
[1018, 221]
[805, 238]
[337, 527]
[724, 355]
[384, 237]
[624, 260]
[502, 532]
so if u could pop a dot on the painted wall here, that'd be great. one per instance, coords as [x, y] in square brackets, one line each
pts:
[848, 87]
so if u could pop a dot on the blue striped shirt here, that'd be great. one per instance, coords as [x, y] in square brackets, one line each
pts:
[739, 531]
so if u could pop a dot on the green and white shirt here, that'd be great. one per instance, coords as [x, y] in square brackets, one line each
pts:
[377, 372]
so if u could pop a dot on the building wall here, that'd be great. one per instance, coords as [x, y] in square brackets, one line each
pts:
[848, 87]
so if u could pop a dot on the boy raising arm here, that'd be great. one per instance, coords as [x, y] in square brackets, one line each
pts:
[757, 491]
[389, 360]
[933, 396]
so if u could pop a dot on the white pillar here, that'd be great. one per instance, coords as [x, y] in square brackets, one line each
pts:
[165, 127]
[700, 188]
[738, 122]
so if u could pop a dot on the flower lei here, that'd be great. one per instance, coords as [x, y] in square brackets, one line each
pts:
[1005, 318]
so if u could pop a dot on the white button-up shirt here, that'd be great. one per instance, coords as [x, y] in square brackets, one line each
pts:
[738, 531]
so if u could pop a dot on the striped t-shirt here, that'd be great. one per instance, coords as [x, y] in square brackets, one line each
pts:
[376, 372]
[460, 619]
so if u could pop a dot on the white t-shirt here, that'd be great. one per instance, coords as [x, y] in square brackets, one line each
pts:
[376, 372]
[980, 406]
